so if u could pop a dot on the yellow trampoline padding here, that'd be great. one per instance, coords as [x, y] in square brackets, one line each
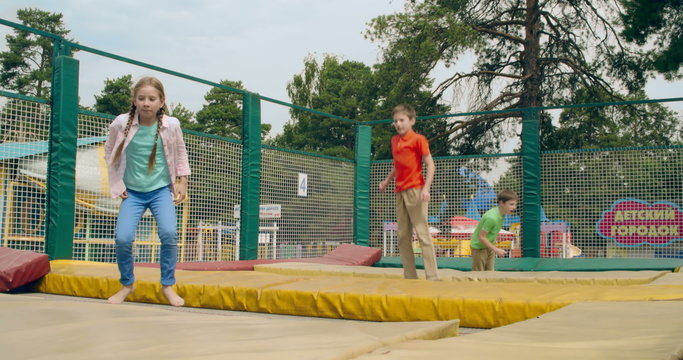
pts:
[37, 328]
[313, 269]
[586, 331]
[539, 277]
[476, 304]
[564, 277]
[670, 279]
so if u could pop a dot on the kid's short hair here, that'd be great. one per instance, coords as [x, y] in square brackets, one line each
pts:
[404, 108]
[507, 195]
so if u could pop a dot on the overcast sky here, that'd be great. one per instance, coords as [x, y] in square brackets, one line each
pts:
[262, 43]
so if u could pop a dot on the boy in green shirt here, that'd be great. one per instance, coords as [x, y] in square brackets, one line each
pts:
[483, 240]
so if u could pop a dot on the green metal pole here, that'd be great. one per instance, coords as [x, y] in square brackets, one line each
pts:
[531, 166]
[361, 202]
[61, 166]
[251, 176]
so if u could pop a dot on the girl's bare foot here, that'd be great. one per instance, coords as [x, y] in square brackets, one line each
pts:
[172, 297]
[121, 295]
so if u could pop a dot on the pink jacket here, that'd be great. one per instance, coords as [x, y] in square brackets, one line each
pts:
[171, 137]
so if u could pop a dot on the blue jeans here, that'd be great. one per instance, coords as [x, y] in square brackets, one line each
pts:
[160, 203]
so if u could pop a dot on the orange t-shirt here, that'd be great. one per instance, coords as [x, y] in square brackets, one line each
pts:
[408, 152]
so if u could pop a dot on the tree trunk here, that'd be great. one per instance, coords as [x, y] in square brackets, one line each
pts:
[531, 71]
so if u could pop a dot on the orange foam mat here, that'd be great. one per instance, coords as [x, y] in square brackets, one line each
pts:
[587, 331]
[46, 328]
[476, 304]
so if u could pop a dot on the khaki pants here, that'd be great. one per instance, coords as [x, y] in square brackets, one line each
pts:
[483, 259]
[411, 213]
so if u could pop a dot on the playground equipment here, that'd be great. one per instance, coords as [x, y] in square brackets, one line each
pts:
[222, 239]
[456, 243]
[23, 168]
[556, 240]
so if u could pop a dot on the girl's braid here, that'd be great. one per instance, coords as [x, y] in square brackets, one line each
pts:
[153, 156]
[131, 114]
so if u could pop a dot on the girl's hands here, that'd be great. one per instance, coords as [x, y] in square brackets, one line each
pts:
[180, 192]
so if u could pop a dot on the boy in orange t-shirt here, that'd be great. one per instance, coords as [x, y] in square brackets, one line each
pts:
[410, 150]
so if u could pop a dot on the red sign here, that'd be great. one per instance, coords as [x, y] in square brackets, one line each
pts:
[632, 222]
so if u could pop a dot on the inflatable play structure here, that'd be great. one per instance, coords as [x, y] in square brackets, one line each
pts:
[456, 242]
[556, 240]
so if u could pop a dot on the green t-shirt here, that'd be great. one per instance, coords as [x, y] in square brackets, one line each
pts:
[491, 222]
[136, 176]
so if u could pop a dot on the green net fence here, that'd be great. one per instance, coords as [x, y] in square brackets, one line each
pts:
[614, 203]
[462, 190]
[315, 198]
[24, 127]
[305, 224]
[95, 212]
[594, 203]
[207, 231]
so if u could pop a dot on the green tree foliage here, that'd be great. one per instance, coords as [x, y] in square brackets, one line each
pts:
[115, 97]
[222, 113]
[181, 113]
[354, 91]
[527, 54]
[26, 66]
[392, 92]
[662, 22]
[345, 89]
[611, 126]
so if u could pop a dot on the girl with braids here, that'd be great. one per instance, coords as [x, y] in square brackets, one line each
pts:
[148, 169]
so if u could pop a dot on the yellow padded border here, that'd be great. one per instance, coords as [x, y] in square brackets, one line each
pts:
[476, 304]
[537, 277]
[312, 269]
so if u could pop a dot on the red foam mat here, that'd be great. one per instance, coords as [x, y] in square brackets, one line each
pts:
[345, 254]
[349, 254]
[19, 267]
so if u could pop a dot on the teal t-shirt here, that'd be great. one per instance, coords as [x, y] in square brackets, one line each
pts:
[491, 222]
[136, 176]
